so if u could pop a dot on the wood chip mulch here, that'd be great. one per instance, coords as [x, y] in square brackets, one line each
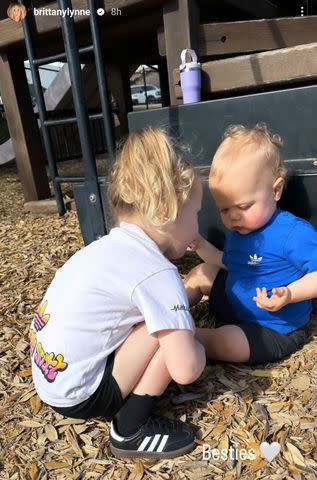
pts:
[233, 406]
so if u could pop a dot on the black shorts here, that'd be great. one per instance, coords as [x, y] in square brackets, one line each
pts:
[266, 345]
[105, 402]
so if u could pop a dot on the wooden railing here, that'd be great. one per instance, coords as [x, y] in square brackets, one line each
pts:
[270, 52]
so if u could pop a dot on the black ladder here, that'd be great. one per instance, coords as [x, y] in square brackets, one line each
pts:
[93, 218]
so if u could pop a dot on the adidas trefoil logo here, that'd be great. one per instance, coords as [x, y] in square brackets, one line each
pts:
[254, 260]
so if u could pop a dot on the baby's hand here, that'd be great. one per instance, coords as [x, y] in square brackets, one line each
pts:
[280, 297]
[195, 245]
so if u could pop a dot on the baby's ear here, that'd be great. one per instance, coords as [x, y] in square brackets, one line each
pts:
[278, 186]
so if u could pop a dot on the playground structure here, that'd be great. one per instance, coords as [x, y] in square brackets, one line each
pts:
[257, 65]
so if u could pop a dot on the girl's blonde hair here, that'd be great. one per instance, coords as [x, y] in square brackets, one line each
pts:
[239, 136]
[150, 177]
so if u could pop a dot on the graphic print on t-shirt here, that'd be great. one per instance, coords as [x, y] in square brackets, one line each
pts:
[49, 364]
[254, 259]
[40, 318]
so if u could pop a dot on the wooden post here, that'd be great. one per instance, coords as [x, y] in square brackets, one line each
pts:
[164, 82]
[23, 128]
[119, 85]
[181, 26]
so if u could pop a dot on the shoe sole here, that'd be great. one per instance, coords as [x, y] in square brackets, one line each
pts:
[119, 453]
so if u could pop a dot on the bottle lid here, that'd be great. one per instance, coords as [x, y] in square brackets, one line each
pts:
[193, 65]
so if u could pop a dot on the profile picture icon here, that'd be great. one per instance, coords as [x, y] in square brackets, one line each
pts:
[16, 11]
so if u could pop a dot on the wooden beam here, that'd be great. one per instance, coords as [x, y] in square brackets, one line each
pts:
[287, 65]
[23, 129]
[181, 25]
[251, 36]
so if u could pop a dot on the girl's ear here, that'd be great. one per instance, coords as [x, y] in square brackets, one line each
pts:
[278, 186]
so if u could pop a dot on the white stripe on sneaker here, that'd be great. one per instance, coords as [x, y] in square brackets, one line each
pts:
[114, 434]
[144, 444]
[154, 442]
[162, 444]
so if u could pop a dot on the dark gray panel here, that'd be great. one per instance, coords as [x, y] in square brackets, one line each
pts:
[287, 112]
[291, 113]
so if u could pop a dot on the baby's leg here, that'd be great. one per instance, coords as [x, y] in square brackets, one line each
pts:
[250, 342]
[227, 343]
[199, 282]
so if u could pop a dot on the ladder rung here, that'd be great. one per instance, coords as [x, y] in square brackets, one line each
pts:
[67, 120]
[95, 116]
[69, 179]
[60, 56]
[60, 121]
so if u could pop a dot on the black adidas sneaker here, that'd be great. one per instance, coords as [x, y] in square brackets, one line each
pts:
[159, 437]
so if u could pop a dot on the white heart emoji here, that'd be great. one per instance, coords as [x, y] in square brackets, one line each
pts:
[269, 451]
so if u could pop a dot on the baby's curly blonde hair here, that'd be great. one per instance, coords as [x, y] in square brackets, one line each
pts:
[151, 177]
[238, 136]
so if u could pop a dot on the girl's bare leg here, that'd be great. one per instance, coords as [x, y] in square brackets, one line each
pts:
[139, 365]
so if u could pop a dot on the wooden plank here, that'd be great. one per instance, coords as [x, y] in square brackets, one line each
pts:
[43, 208]
[251, 36]
[12, 33]
[181, 25]
[257, 70]
[23, 129]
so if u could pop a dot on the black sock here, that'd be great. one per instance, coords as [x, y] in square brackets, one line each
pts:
[134, 413]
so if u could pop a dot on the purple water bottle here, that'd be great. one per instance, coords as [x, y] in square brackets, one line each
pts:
[190, 74]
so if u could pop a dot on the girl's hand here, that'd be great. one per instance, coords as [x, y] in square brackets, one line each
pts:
[280, 297]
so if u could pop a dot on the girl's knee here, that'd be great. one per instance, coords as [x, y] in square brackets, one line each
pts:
[188, 377]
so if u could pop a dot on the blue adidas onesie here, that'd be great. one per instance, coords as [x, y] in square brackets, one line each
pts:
[279, 253]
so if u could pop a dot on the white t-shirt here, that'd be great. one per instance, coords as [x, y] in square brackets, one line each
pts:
[91, 306]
